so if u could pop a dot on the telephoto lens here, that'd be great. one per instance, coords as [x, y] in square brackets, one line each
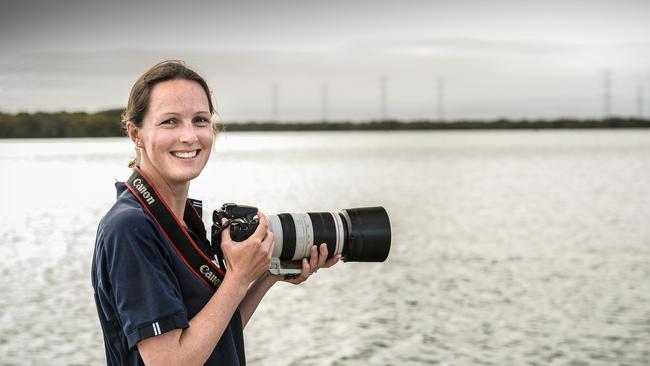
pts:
[358, 234]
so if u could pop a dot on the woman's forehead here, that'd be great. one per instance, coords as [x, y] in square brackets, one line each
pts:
[172, 96]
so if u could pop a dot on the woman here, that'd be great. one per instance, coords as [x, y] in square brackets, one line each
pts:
[152, 307]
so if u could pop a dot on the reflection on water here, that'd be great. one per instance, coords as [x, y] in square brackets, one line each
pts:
[509, 247]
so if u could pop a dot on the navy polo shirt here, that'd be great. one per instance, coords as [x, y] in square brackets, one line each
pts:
[143, 288]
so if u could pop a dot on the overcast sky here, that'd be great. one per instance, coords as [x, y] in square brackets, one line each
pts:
[326, 58]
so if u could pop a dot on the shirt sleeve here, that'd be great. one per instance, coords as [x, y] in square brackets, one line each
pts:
[145, 289]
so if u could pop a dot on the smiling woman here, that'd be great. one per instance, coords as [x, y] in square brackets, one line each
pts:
[154, 306]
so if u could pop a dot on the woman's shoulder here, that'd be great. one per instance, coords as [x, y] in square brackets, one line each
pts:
[125, 218]
[124, 215]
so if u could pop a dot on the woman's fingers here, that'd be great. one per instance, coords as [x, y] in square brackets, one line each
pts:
[317, 259]
[313, 259]
[332, 261]
[322, 256]
[225, 234]
[268, 243]
[262, 227]
[304, 274]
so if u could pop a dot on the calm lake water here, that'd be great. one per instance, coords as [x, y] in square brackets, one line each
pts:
[509, 247]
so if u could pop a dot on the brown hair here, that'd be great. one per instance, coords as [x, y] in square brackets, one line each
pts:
[138, 103]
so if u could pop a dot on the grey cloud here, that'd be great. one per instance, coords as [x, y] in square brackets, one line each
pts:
[483, 78]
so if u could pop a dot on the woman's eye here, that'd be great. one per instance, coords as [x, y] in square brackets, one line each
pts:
[170, 121]
[200, 120]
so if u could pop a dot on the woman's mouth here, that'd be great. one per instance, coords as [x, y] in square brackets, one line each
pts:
[186, 154]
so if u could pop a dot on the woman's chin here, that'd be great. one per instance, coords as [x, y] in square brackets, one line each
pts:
[185, 175]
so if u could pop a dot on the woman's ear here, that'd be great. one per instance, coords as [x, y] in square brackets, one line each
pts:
[133, 134]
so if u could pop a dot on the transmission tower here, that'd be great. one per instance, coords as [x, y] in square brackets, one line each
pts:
[607, 95]
[639, 102]
[648, 94]
[323, 101]
[274, 102]
[441, 99]
[383, 98]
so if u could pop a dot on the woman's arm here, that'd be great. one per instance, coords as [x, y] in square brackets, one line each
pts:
[194, 345]
[254, 296]
[246, 261]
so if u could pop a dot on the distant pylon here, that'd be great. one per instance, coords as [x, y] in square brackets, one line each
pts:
[383, 98]
[274, 102]
[639, 102]
[441, 99]
[607, 94]
[648, 94]
[323, 101]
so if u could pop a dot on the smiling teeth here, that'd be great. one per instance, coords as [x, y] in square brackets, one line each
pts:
[185, 155]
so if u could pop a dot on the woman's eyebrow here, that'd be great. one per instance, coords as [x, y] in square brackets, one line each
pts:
[176, 113]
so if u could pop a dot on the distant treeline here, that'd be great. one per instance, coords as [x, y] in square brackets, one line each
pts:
[107, 124]
[61, 124]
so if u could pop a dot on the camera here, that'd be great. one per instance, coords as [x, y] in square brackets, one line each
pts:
[359, 234]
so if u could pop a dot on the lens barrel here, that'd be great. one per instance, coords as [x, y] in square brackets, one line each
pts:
[358, 234]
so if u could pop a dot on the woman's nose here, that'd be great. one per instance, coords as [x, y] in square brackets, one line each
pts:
[188, 135]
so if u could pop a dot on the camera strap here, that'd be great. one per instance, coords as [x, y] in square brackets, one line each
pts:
[209, 272]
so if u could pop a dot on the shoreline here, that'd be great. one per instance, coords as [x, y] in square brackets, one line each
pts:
[107, 124]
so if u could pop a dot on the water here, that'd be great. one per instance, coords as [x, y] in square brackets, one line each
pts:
[509, 247]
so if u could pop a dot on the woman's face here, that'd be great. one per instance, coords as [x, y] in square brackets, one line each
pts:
[176, 134]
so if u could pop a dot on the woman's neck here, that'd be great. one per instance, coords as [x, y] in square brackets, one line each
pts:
[174, 194]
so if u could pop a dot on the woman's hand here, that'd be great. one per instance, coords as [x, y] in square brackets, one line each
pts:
[317, 259]
[251, 258]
